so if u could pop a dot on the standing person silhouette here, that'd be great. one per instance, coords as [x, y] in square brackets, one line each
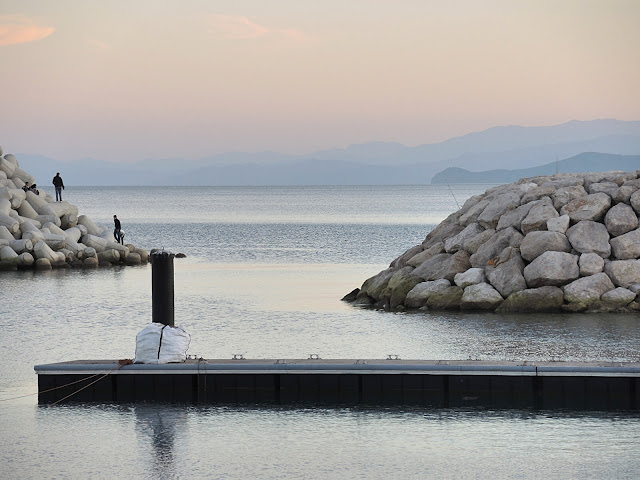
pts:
[117, 231]
[59, 185]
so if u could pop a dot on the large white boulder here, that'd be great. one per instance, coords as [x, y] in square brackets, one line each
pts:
[455, 243]
[620, 219]
[481, 296]
[419, 295]
[552, 269]
[537, 242]
[590, 237]
[538, 216]
[591, 207]
[588, 289]
[558, 224]
[470, 277]
[623, 273]
[505, 274]
[509, 237]
[491, 214]
[634, 200]
[590, 264]
[618, 296]
[627, 246]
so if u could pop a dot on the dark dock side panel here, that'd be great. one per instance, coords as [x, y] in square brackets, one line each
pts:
[438, 384]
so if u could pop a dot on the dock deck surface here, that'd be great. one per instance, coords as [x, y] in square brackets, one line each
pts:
[435, 383]
[345, 366]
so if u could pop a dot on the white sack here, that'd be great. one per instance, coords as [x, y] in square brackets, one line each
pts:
[158, 343]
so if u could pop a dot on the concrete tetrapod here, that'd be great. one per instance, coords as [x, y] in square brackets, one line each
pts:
[39, 232]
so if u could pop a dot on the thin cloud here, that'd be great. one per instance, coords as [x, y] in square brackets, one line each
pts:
[18, 28]
[242, 28]
[100, 45]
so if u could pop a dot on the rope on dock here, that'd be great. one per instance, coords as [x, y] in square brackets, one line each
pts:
[121, 363]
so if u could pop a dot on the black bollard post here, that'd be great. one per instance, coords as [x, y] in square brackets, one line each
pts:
[162, 287]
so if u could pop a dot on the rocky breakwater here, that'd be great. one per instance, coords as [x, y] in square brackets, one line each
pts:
[38, 232]
[567, 242]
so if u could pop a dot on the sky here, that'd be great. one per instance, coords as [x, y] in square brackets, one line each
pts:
[130, 80]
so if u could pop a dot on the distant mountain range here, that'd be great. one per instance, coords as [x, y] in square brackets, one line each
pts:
[375, 163]
[582, 163]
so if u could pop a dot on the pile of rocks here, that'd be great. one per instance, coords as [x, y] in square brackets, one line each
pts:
[564, 242]
[38, 232]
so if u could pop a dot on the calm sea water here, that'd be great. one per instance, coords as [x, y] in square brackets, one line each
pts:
[265, 269]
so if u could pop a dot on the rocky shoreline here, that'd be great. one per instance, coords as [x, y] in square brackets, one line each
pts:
[566, 242]
[36, 232]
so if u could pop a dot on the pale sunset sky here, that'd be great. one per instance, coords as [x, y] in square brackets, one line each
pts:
[127, 80]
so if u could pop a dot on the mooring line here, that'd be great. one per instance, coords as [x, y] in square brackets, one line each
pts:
[104, 374]
[89, 384]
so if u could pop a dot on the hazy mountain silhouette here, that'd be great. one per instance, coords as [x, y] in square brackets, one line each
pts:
[582, 163]
[367, 163]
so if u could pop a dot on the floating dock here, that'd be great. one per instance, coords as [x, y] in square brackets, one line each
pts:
[315, 381]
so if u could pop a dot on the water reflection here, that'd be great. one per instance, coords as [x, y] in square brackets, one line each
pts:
[183, 441]
[156, 427]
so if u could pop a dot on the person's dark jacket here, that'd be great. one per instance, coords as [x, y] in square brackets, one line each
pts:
[57, 181]
[116, 222]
